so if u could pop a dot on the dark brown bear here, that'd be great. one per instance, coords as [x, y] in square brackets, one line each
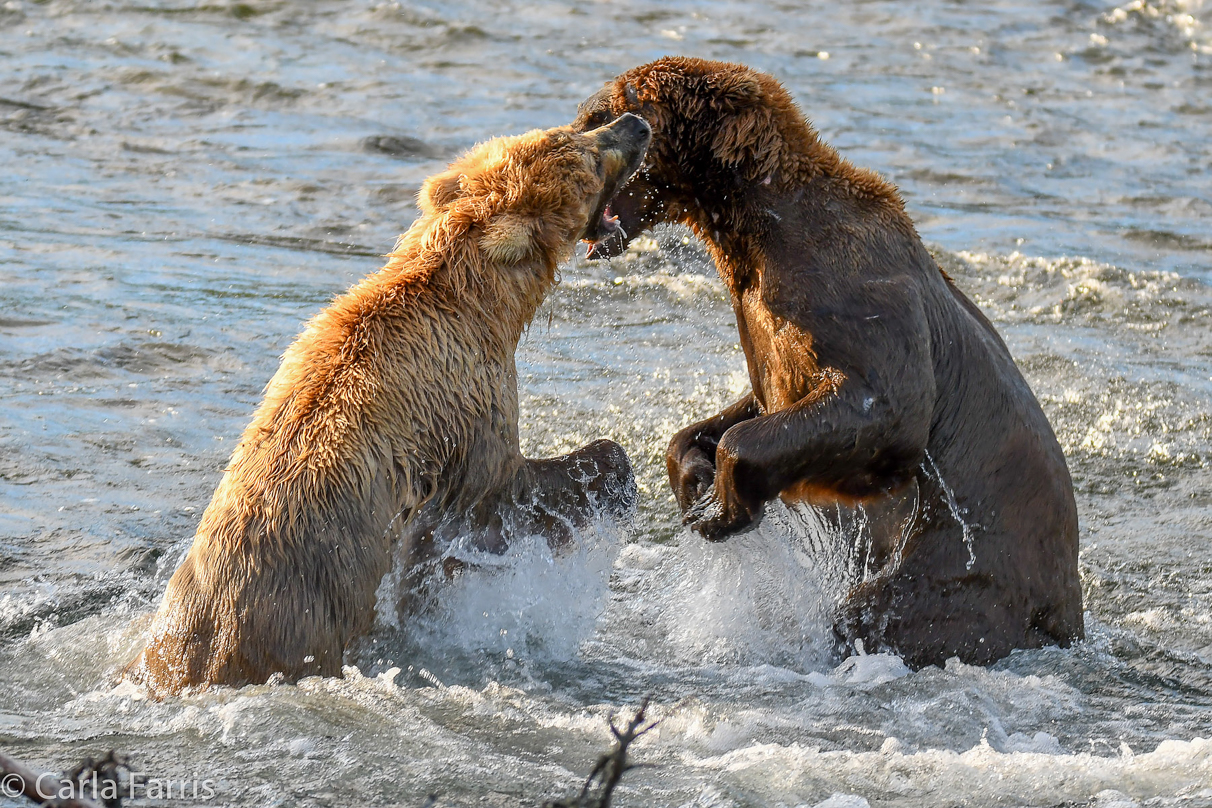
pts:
[876, 382]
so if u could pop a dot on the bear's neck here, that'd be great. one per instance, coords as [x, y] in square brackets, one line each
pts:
[500, 301]
[798, 192]
[507, 298]
[514, 307]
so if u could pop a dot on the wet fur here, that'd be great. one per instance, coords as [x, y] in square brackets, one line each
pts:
[875, 381]
[393, 414]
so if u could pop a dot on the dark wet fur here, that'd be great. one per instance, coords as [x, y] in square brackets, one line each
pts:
[875, 381]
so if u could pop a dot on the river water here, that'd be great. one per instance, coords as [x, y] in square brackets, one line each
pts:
[184, 184]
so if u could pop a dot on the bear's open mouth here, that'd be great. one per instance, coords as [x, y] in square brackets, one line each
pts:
[610, 222]
[607, 237]
[610, 238]
[608, 234]
[608, 227]
[604, 222]
[624, 145]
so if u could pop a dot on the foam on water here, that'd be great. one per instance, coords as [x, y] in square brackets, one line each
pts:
[699, 623]
[1174, 773]
[528, 603]
[765, 597]
[1075, 290]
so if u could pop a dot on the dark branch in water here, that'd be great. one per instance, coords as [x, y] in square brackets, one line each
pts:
[99, 783]
[103, 777]
[96, 777]
[600, 785]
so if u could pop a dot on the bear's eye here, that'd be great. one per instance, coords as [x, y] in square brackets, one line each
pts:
[599, 118]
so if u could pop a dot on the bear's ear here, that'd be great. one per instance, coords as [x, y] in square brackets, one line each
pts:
[733, 94]
[748, 140]
[440, 190]
[746, 134]
[509, 239]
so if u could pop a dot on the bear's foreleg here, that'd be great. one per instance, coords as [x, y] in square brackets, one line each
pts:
[550, 497]
[554, 496]
[690, 458]
[845, 444]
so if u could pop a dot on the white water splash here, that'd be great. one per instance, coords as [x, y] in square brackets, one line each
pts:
[764, 597]
[526, 602]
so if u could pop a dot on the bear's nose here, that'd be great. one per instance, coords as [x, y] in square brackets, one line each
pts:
[627, 132]
[633, 128]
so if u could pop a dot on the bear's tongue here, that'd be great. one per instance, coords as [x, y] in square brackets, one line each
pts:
[610, 221]
[608, 229]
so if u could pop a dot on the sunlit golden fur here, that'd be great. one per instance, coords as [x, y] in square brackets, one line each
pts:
[397, 405]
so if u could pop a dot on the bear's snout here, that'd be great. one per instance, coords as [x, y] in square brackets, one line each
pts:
[627, 137]
[622, 145]
[633, 126]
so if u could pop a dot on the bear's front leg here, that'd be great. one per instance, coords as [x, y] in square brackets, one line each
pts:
[843, 444]
[734, 500]
[557, 494]
[690, 458]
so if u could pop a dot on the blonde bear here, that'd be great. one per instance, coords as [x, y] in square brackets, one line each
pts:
[395, 415]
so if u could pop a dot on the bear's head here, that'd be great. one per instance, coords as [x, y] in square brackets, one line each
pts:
[718, 128]
[530, 197]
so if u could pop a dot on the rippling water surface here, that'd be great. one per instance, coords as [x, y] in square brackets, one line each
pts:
[184, 184]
